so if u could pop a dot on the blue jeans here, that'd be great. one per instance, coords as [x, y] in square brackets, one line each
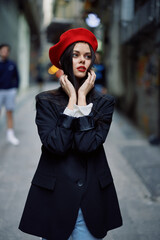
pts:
[80, 231]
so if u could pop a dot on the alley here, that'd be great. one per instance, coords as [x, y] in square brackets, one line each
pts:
[134, 164]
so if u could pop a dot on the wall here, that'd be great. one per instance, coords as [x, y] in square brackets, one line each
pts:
[115, 83]
[147, 91]
[8, 25]
[23, 51]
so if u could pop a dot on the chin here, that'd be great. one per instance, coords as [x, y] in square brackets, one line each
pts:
[81, 75]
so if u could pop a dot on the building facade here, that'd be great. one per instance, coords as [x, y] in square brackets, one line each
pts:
[20, 24]
[134, 61]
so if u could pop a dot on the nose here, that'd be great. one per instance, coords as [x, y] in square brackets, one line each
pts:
[82, 59]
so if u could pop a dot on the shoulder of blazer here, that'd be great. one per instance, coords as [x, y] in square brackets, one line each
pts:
[52, 100]
[46, 95]
[99, 99]
[103, 97]
[102, 100]
[56, 96]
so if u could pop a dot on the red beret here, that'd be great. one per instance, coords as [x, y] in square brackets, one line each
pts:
[69, 37]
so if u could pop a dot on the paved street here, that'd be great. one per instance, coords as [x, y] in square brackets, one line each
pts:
[135, 166]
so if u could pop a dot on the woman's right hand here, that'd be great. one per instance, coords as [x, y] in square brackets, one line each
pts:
[69, 90]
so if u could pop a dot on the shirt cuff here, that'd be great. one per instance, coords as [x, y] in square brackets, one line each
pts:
[69, 112]
[78, 111]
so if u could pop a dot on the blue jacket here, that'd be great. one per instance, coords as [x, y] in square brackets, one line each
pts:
[9, 77]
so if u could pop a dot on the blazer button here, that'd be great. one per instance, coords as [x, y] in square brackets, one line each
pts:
[80, 183]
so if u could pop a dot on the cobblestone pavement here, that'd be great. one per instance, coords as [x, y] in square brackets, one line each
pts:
[135, 166]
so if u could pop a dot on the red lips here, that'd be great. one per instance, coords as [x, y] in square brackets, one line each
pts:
[81, 69]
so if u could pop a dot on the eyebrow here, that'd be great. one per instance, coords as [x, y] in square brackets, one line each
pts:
[78, 52]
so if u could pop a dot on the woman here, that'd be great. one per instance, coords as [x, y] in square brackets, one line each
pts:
[72, 195]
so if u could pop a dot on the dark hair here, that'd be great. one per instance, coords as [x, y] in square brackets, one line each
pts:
[5, 45]
[60, 97]
[67, 66]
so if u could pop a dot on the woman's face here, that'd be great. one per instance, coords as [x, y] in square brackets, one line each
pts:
[81, 59]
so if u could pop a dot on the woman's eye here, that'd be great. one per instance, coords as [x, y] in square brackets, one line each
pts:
[88, 56]
[74, 54]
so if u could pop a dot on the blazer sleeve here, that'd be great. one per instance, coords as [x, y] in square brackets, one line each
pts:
[54, 129]
[90, 134]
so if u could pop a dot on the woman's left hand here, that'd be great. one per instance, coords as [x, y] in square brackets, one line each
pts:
[88, 84]
[86, 87]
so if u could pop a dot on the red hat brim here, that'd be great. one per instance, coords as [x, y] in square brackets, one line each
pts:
[69, 37]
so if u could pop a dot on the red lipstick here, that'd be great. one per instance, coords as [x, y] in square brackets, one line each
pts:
[81, 69]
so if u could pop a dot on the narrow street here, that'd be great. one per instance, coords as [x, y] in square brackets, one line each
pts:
[134, 163]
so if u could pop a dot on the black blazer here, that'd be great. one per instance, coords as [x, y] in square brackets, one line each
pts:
[72, 172]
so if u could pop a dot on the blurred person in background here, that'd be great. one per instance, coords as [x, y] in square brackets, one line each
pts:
[100, 71]
[72, 195]
[40, 78]
[9, 82]
[40, 82]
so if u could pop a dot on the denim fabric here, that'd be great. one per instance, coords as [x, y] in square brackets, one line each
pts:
[7, 98]
[80, 230]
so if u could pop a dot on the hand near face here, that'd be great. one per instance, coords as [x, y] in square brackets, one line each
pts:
[69, 90]
[88, 84]
[67, 86]
[85, 88]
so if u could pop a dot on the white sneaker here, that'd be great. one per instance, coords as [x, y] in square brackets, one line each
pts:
[11, 138]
